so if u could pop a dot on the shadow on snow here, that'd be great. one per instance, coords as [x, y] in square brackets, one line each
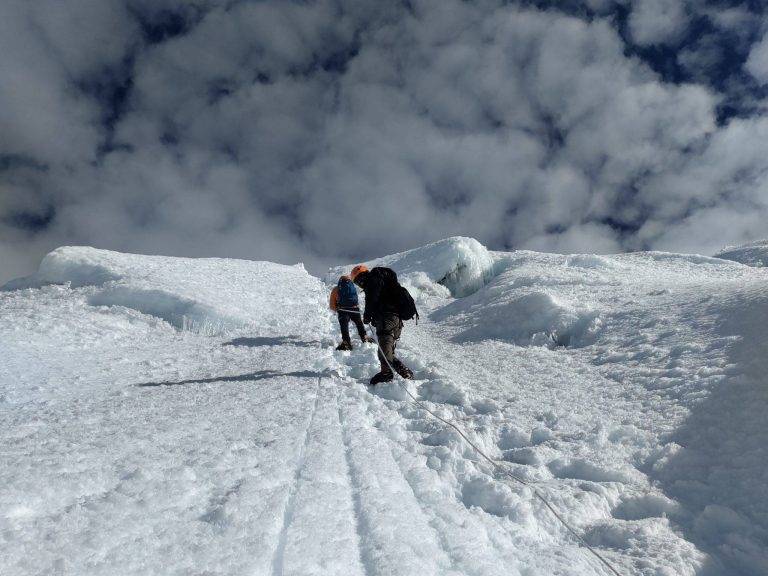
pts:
[249, 377]
[721, 473]
[258, 341]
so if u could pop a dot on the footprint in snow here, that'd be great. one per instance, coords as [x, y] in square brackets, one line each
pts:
[580, 469]
[512, 437]
[485, 406]
[645, 506]
[442, 391]
[389, 391]
[495, 498]
[524, 456]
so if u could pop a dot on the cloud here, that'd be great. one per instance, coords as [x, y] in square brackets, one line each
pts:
[757, 63]
[658, 21]
[338, 130]
[713, 198]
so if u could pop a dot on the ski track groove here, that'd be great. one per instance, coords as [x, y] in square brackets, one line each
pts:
[441, 537]
[366, 561]
[434, 519]
[427, 511]
[278, 560]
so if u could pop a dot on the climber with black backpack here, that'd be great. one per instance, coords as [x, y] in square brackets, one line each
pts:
[344, 302]
[387, 304]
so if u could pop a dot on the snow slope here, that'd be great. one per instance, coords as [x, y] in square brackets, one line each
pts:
[176, 416]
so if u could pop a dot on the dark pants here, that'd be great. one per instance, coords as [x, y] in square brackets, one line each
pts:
[344, 318]
[388, 330]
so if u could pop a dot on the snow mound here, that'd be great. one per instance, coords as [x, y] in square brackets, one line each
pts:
[753, 254]
[79, 266]
[555, 300]
[462, 265]
[208, 295]
[534, 318]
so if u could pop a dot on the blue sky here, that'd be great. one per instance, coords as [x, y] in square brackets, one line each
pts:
[337, 130]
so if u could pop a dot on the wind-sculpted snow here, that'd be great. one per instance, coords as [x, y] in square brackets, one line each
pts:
[462, 265]
[629, 390]
[752, 254]
[77, 266]
[207, 294]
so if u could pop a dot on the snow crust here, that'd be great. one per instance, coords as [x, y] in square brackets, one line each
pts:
[751, 254]
[183, 416]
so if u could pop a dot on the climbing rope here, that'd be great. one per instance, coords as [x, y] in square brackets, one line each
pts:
[498, 466]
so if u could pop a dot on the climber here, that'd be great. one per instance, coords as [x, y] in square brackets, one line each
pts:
[387, 304]
[344, 302]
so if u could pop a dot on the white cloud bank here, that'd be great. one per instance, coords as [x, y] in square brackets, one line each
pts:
[335, 129]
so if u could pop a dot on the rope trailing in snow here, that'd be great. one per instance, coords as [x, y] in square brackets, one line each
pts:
[498, 466]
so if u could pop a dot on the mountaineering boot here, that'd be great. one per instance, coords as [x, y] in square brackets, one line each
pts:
[381, 377]
[345, 345]
[369, 340]
[402, 369]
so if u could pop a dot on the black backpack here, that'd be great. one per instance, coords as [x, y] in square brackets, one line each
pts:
[400, 297]
[406, 307]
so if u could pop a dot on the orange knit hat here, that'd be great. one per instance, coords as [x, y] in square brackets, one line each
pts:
[357, 270]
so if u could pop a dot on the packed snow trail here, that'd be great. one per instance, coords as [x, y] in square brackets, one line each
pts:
[497, 465]
[164, 415]
[609, 360]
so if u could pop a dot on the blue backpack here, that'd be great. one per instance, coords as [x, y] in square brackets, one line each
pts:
[347, 293]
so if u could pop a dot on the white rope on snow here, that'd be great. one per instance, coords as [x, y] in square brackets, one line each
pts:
[498, 466]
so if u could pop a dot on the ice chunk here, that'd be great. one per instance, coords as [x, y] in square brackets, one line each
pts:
[495, 498]
[80, 266]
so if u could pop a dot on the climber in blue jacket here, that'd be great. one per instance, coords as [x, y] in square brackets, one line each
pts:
[344, 302]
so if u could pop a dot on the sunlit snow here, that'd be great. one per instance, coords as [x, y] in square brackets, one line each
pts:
[191, 416]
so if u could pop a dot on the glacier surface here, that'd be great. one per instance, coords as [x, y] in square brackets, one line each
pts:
[191, 416]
